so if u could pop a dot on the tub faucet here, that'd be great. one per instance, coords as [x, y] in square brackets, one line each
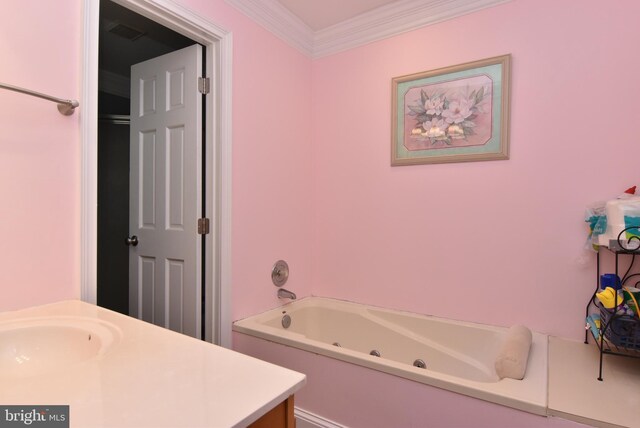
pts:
[286, 294]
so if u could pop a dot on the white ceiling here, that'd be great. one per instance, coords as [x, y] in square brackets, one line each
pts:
[321, 14]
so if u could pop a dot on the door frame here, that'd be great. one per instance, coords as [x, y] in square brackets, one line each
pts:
[218, 45]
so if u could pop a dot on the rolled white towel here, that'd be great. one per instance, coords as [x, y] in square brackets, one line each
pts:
[512, 359]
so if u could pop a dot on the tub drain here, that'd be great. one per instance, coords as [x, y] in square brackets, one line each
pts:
[375, 353]
[286, 321]
[420, 364]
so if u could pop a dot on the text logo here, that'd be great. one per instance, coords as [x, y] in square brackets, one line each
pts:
[34, 416]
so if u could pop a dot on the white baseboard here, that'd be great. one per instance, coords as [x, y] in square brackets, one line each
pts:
[311, 420]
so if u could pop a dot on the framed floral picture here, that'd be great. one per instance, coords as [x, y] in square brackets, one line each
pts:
[453, 114]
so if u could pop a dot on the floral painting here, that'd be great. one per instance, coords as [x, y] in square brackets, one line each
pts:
[452, 115]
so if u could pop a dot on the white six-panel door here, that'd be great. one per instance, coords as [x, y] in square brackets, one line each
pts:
[166, 191]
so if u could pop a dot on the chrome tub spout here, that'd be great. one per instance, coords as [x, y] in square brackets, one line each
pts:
[286, 294]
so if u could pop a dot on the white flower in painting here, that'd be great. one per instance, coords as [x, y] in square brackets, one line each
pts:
[455, 132]
[433, 106]
[434, 128]
[458, 111]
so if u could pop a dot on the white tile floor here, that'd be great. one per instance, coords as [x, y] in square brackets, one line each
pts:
[576, 394]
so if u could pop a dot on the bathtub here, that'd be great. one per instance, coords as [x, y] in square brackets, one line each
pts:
[459, 356]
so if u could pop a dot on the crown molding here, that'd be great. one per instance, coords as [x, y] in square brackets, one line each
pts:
[391, 20]
[279, 20]
[380, 23]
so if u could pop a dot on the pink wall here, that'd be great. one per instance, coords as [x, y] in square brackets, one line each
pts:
[39, 153]
[493, 242]
[271, 160]
[40, 43]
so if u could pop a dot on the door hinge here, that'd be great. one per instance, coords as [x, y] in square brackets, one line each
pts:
[204, 85]
[203, 226]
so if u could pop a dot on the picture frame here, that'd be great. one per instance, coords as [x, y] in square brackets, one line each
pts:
[453, 114]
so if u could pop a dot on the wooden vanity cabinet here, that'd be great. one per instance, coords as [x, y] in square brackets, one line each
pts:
[280, 416]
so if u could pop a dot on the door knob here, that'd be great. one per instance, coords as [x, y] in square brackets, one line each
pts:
[131, 240]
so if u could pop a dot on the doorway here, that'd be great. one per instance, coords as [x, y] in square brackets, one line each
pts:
[112, 106]
[131, 41]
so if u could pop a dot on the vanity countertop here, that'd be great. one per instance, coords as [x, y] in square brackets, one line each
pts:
[148, 376]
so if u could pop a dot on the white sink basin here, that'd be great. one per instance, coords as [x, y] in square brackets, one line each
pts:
[36, 346]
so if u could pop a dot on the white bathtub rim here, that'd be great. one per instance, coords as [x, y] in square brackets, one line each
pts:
[529, 395]
[372, 312]
[311, 300]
